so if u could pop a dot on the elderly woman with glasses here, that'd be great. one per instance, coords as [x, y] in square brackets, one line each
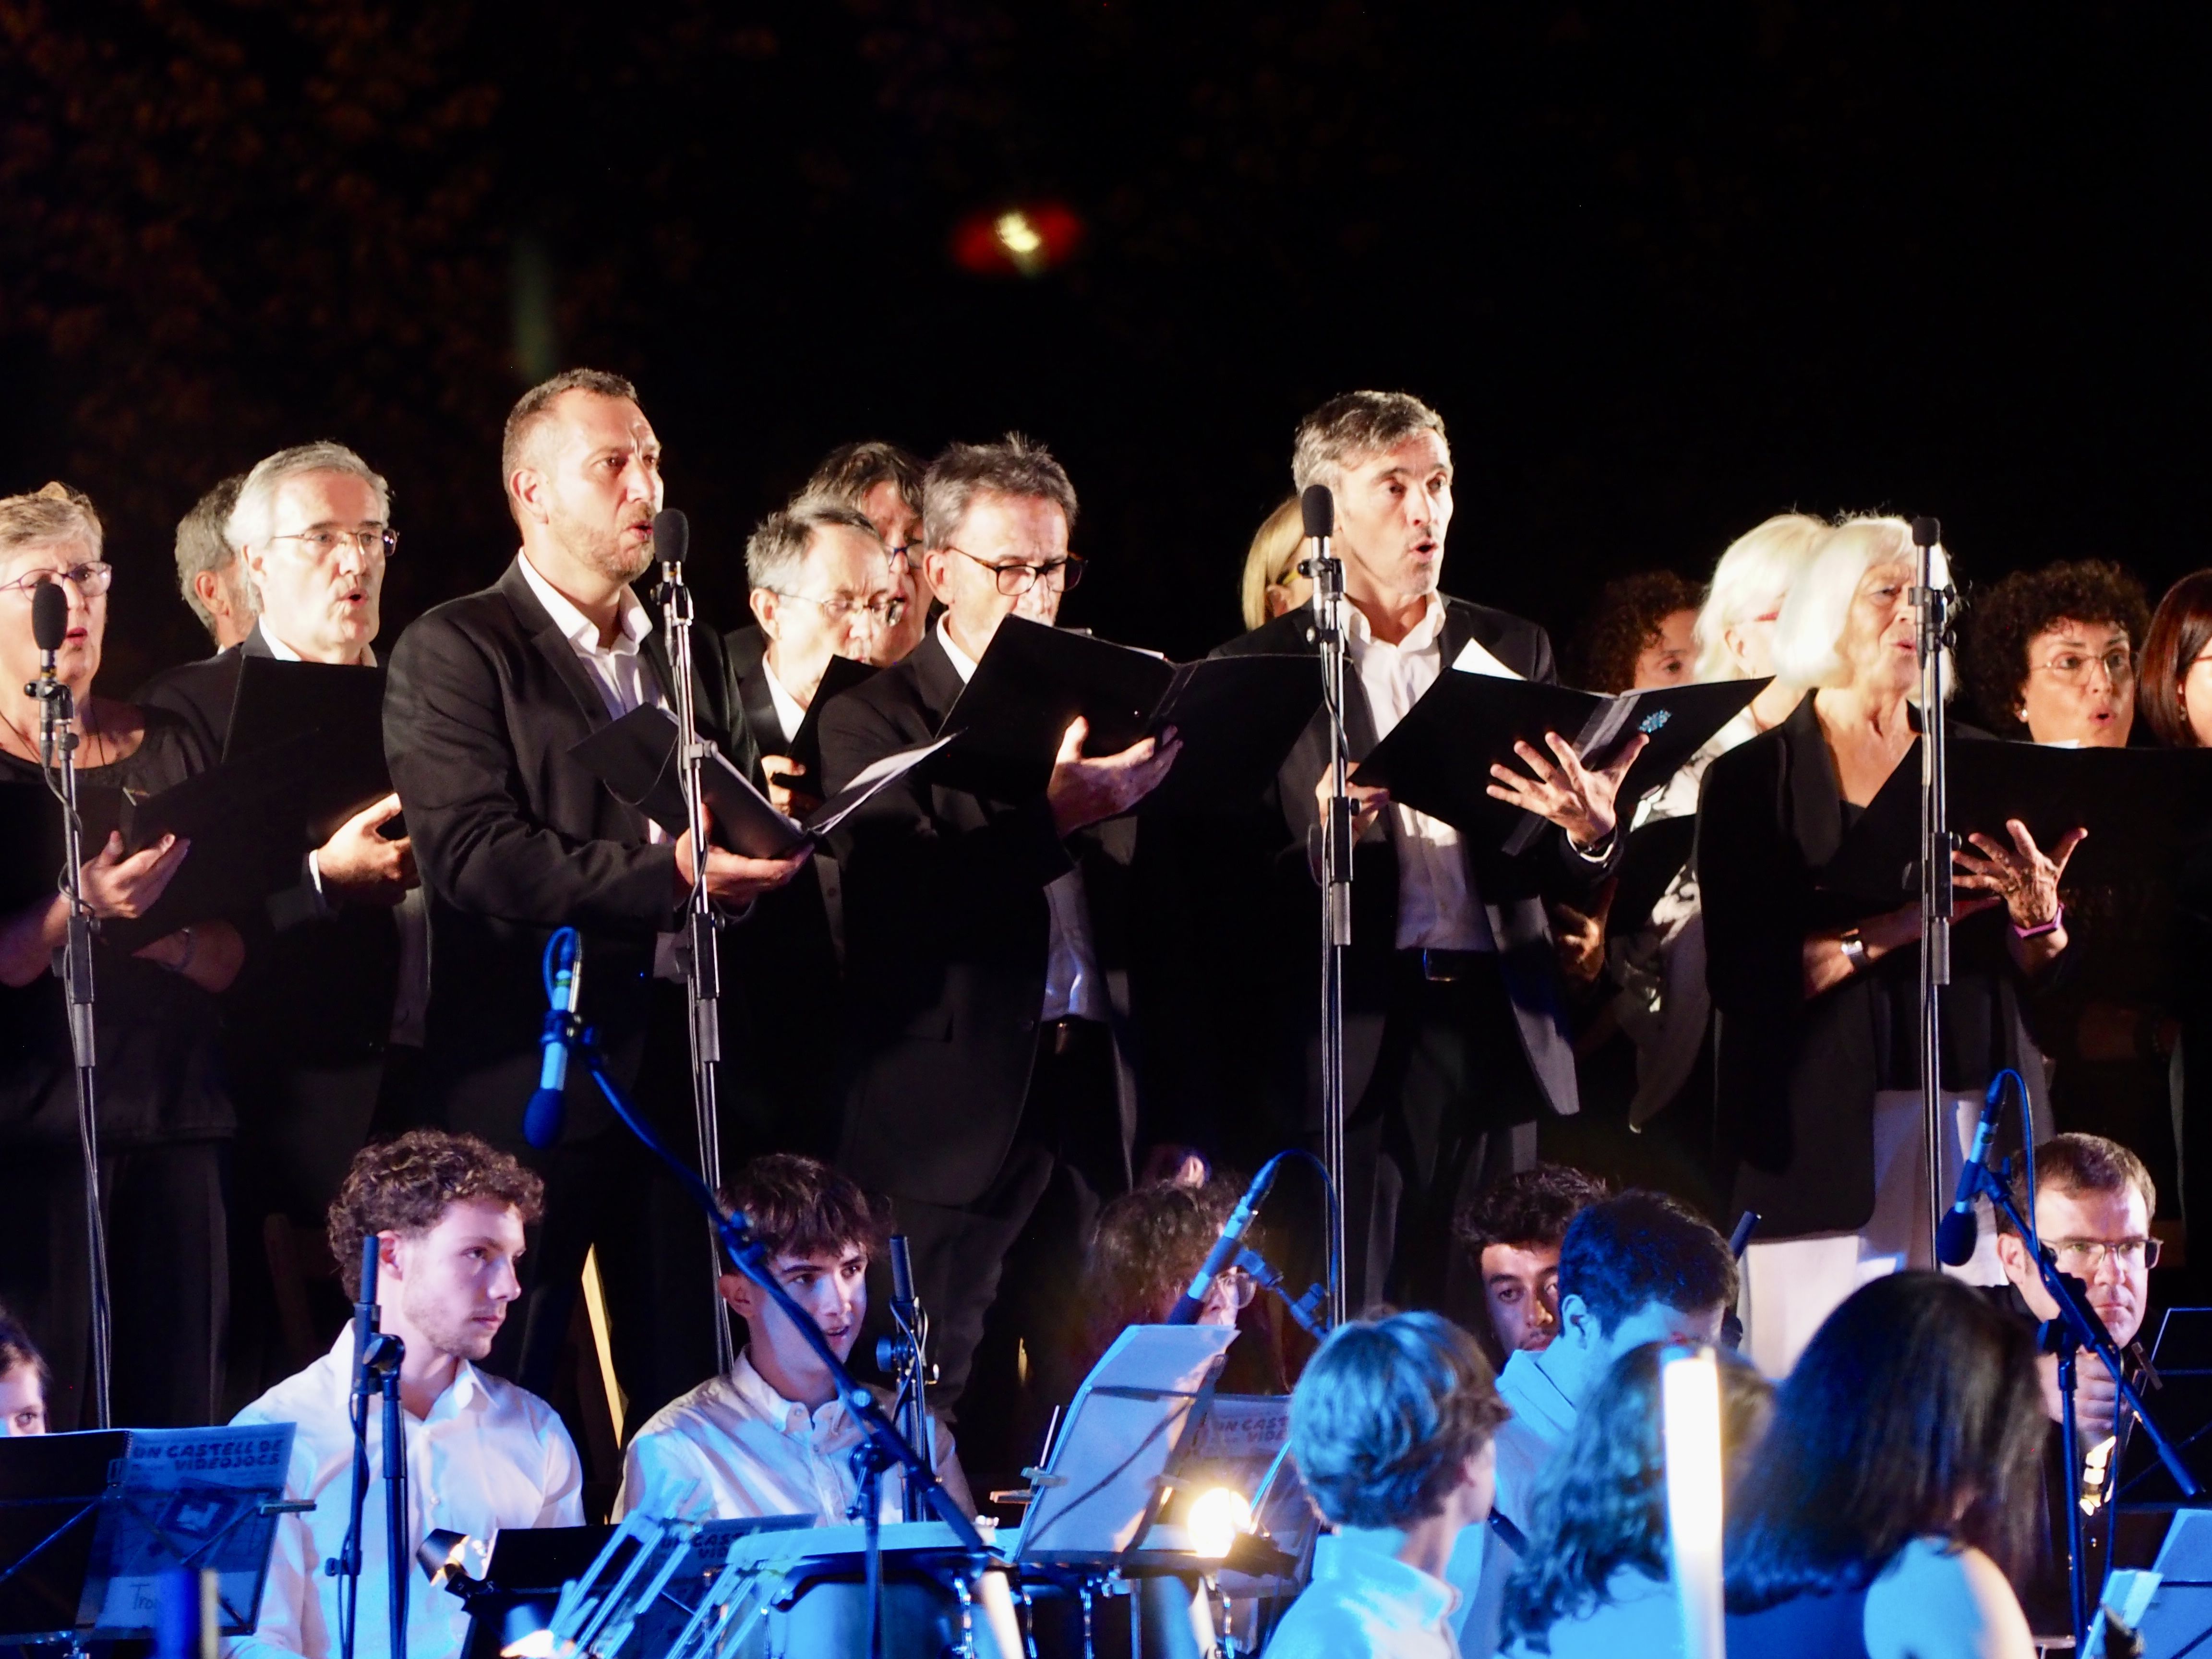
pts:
[164, 1117]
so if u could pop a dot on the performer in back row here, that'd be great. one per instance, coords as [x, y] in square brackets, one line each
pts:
[486, 695]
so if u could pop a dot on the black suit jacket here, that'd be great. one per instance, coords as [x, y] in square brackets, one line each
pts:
[317, 989]
[483, 700]
[947, 931]
[1513, 891]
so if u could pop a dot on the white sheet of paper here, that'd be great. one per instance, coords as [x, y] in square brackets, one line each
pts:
[1473, 660]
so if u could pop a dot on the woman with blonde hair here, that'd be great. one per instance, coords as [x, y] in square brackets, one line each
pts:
[1273, 586]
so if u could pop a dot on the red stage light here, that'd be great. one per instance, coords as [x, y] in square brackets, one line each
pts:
[1024, 238]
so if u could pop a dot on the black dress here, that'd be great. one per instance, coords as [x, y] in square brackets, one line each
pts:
[1796, 1079]
[164, 1122]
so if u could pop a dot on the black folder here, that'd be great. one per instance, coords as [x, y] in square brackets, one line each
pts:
[1237, 716]
[2143, 808]
[1656, 855]
[341, 709]
[843, 674]
[635, 757]
[1437, 759]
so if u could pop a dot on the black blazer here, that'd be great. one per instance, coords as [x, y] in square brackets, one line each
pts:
[946, 934]
[1513, 891]
[1796, 1079]
[318, 985]
[483, 699]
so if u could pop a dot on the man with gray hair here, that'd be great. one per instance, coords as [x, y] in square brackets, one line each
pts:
[883, 482]
[1455, 1036]
[331, 999]
[987, 1001]
[210, 573]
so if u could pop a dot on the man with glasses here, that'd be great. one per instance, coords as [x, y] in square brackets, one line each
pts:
[2093, 1204]
[987, 1072]
[883, 482]
[318, 1019]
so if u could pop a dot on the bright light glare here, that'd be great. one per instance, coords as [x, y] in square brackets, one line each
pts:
[1217, 1515]
[1691, 1392]
[1018, 234]
[538, 1644]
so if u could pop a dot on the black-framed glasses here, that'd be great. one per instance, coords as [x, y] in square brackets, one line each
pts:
[838, 607]
[91, 579]
[1017, 579]
[375, 542]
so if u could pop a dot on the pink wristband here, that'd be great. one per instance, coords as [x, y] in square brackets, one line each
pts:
[2049, 926]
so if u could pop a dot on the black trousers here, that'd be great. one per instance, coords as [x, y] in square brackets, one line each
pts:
[999, 1276]
[168, 1267]
[1451, 1108]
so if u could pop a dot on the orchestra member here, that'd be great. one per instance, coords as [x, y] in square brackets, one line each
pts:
[1819, 1061]
[2094, 1202]
[1886, 1499]
[773, 1437]
[1513, 1231]
[210, 573]
[309, 1022]
[23, 1378]
[987, 1073]
[1272, 583]
[1391, 1426]
[483, 1457]
[883, 482]
[1598, 1581]
[1455, 1043]
[165, 1120]
[486, 696]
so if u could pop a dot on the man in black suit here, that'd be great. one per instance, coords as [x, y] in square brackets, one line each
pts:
[309, 1022]
[487, 695]
[987, 1068]
[1455, 1039]
[822, 588]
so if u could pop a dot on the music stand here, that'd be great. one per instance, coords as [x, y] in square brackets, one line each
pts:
[1240, 1443]
[648, 1581]
[2182, 1358]
[2176, 1616]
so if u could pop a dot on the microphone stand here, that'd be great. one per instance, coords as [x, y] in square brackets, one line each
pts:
[1326, 573]
[2077, 1327]
[376, 1360]
[58, 741]
[905, 1356]
[701, 971]
[1932, 606]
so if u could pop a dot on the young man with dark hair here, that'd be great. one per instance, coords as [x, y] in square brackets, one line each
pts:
[773, 1437]
[1635, 1268]
[1513, 1232]
[482, 1454]
[1392, 1425]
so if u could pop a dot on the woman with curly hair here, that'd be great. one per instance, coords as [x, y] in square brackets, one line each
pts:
[1639, 634]
[1596, 1578]
[2051, 653]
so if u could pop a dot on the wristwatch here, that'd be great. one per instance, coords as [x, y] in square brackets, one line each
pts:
[1854, 950]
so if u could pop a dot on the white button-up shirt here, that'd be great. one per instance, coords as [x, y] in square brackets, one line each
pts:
[1543, 1417]
[733, 1448]
[1073, 983]
[789, 716]
[489, 1455]
[1366, 1604]
[1437, 908]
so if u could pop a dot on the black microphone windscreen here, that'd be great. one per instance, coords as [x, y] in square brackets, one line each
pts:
[49, 615]
[672, 536]
[1956, 1235]
[1927, 531]
[1319, 508]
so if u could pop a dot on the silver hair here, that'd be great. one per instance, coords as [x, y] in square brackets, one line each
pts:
[252, 520]
[777, 548]
[1016, 466]
[1753, 576]
[203, 546]
[54, 514]
[1808, 635]
[1357, 423]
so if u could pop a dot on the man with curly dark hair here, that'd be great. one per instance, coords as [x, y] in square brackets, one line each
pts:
[2051, 653]
[1639, 636]
[482, 1454]
[1513, 1232]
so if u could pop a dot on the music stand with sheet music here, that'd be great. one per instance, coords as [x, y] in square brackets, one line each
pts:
[648, 1581]
[115, 1511]
[1241, 1443]
[2182, 1358]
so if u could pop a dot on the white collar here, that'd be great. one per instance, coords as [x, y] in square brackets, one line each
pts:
[962, 664]
[788, 714]
[1420, 636]
[284, 652]
[579, 630]
[465, 1392]
[788, 1415]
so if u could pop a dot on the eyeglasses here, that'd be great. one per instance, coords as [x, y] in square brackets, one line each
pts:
[1233, 1288]
[2084, 1256]
[885, 613]
[1058, 574]
[90, 580]
[901, 557]
[2075, 666]
[378, 543]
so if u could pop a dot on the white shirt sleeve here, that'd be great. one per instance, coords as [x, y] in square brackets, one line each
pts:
[564, 1477]
[663, 1474]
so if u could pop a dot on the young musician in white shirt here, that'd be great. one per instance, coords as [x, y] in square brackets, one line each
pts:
[773, 1437]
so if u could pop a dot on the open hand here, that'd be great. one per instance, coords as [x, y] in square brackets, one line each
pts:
[1084, 792]
[2022, 875]
[732, 879]
[126, 887]
[1561, 790]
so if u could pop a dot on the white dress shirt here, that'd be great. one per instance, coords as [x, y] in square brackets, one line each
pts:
[733, 1448]
[489, 1455]
[788, 714]
[1073, 983]
[1365, 1604]
[1543, 1417]
[1438, 908]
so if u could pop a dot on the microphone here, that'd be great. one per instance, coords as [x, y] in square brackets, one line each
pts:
[543, 1119]
[672, 536]
[49, 619]
[1223, 1253]
[1958, 1231]
[1318, 508]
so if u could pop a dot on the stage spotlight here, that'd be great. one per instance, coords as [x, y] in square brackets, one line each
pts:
[1217, 1517]
[1025, 239]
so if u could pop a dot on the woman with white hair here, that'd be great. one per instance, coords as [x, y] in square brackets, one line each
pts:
[1817, 1042]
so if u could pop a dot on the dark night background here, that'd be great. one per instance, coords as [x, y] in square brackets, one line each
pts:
[1664, 269]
